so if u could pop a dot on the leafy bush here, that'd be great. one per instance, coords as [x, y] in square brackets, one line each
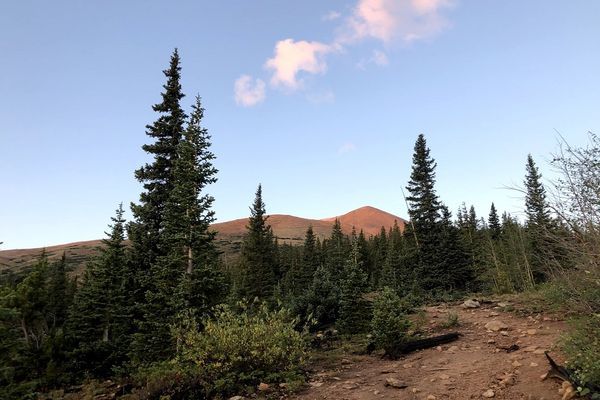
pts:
[233, 353]
[389, 324]
[583, 348]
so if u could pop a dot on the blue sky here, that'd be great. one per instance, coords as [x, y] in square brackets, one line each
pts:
[320, 101]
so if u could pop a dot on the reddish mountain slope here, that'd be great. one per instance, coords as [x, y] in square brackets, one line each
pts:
[369, 219]
[287, 228]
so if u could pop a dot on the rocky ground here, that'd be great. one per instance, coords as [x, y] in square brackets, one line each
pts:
[499, 355]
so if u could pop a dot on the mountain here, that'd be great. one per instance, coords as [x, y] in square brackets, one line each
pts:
[287, 228]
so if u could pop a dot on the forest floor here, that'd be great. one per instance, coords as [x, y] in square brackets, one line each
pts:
[477, 365]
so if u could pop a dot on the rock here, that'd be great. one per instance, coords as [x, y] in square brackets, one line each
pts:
[431, 397]
[471, 304]
[444, 377]
[496, 325]
[491, 341]
[439, 348]
[345, 361]
[533, 364]
[350, 386]
[263, 387]
[504, 333]
[236, 398]
[452, 349]
[376, 392]
[395, 383]
[489, 393]
[530, 349]
[531, 331]
[516, 364]
[415, 390]
[494, 314]
[315, 384]
[503, 304]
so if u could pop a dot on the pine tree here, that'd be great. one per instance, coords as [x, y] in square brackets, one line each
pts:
[336, 250]
[100, 322]
[424, 207]
[539, 221]
[494, 223]
[258, 257]
[455, 263]
[353, 313]
[157, 177]
[187, 240]
[536, 207]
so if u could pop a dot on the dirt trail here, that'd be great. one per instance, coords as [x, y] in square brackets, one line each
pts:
[465, 369]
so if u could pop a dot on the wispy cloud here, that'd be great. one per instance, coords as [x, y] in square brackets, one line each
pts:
[293, 57]
[248, 91]
[384, 21]
[331, 16]
[347, 148]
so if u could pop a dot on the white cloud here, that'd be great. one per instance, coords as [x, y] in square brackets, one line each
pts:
[293, 57]
[389, 20]
[248, 91]
[347, 148]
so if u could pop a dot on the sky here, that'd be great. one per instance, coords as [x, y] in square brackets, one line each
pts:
[320, 101]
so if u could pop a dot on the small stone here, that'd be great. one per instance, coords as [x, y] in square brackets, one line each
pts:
[494, 314]
[439, 348]
[496, 325]
[533, 364]
[530, 349]
[263, 387]
[539, 351]
[471, 304]
[376, 392]
[345, 361]
[350, 386]
[489, 393]
[491, 341]
[415, 390]
[516, 364]
[236, 398]
[395, 383]
[431, 397]
[504, 333]
[283, 385]
[444, 377]
[315, 384]
[407, 366]
[452, 349]
[531, 331]
[503, 304]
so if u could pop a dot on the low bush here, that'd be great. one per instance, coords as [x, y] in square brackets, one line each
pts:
[232, 354]
[389, 324]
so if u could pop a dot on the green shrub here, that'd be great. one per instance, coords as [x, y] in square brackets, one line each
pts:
[451, 321]
[582, 346]
[235, 352]
[389, 324]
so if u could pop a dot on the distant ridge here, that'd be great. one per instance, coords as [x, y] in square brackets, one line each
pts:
[287, 229]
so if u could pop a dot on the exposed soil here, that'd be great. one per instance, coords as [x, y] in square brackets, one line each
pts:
[466, 369]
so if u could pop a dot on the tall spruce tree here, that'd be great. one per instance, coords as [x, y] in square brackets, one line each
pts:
[146, 232]
[157, 177]
[424, 207]
[259, 256]
[187, 241]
